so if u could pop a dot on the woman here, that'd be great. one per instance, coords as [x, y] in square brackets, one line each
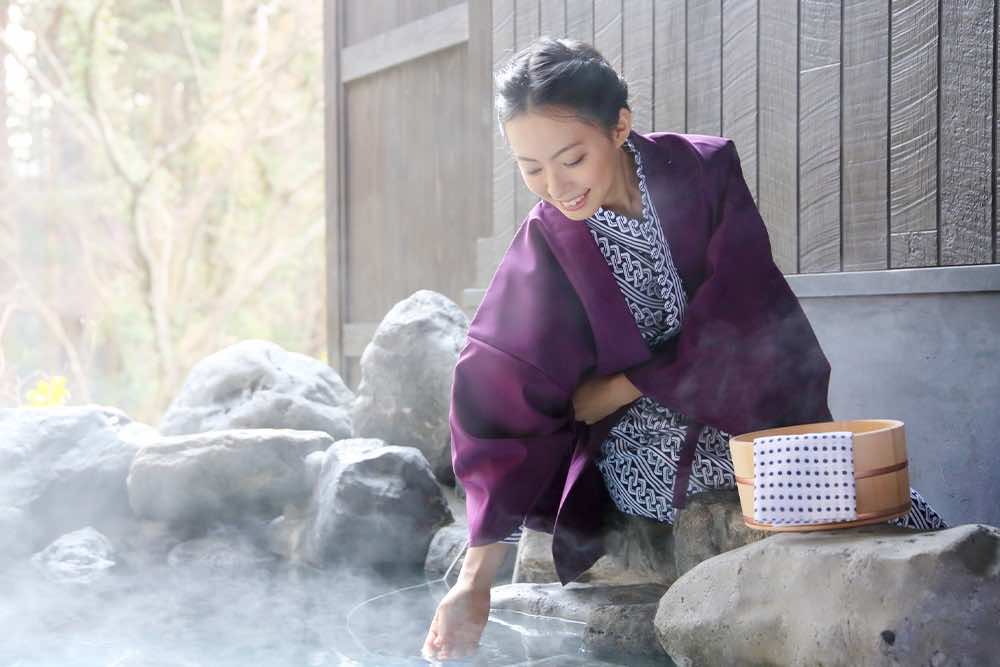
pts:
[635, 321]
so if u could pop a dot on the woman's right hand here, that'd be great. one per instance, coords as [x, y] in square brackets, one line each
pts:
[458, 623]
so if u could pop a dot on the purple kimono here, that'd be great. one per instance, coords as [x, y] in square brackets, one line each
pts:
[745, 359]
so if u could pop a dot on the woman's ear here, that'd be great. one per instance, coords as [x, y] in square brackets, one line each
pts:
[623, 128]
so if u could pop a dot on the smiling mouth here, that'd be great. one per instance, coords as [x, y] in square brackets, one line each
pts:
[574, 204]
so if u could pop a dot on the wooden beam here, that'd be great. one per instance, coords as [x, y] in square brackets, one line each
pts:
[819, 136]
[864, 143]
[965, 127]
[436, 32]
[913, 133]
[480, 121]
[777, 145]
[336, 251]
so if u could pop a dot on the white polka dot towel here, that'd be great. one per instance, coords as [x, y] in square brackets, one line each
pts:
[804, 479]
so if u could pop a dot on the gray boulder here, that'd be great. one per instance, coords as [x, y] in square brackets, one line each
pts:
[225, 552]
[710, 524]
[572, 602]
[374, 504]
[566, 660]
[258, 384]
[876, 595]
[614, 631]
[80, 557]
[638, 551]
[534, 564]
[447, 544]
[63, 469]
[406, 378]
[196, 480]
[19, 533]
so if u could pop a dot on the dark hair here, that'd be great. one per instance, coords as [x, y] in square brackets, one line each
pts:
[561, 73]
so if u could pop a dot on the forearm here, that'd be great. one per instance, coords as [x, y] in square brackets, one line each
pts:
[624, 389]
[480, 566]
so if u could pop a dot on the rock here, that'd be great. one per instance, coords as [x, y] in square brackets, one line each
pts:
[81, 557]
[258, 384]
[18, 533]
[614, 631]
[374, 504]
[406, 378]
[224, 552]
[445, 546]
[447, 543]
[65, 468]
[196, 480]
[566, 660]
[638, 551]
[146, 544]
[285, 535]
[711, 524]
[533, 564]
[875, 595]
[573, 602]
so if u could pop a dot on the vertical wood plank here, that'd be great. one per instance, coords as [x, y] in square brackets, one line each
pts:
[779, 129]
[996, 136]
[553, 18]
[966, 160]
[865, 141]
[333, 161]
[739, 83]
[608, 30]
[478, 111]
[704, 67]
[913, 90]
[637, 25]
[580, 20]
[819, 136]
[504, 217]
[528, 20]
[670, 66]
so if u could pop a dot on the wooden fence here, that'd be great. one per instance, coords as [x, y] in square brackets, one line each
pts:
[867, 129]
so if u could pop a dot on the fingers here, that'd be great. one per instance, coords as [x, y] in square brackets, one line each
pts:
[443, 647]
[432, 642]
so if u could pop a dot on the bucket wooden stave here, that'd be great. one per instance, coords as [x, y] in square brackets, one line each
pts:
[880, 471]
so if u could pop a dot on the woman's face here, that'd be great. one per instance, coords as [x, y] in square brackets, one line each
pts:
[567, 162]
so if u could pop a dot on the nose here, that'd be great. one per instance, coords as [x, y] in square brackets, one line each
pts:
[560, 189]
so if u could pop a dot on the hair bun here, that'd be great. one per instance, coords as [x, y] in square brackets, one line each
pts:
[564, 73]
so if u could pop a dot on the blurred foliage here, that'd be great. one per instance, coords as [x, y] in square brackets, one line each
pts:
[48, 392]
[162, 166]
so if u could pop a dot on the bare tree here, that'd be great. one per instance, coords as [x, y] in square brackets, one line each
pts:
[196, 218]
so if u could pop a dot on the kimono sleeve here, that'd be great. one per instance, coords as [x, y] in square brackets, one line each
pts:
[746, 357]
[512, 432]
[512, 425]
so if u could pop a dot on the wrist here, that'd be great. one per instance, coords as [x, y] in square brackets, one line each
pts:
[480, 566]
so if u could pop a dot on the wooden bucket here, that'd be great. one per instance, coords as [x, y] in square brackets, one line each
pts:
[880, 471]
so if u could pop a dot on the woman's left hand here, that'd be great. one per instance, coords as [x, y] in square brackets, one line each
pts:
[598, 397]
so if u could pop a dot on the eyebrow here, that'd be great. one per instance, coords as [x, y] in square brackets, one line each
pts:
[554, 155]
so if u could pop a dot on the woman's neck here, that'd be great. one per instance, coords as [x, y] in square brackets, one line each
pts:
[625, 197]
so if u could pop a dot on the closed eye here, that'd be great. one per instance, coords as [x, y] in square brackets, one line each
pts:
[575, 162]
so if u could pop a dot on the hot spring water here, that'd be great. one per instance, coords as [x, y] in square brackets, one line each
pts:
[276, 614]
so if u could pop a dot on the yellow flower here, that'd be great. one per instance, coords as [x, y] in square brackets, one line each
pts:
[49, 393]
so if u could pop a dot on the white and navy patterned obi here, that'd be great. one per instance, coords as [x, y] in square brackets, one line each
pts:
[639, 457]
